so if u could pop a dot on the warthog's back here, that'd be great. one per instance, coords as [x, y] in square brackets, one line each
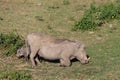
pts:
[55, 51]
[51, 48]
[57, 41]
[37, 39]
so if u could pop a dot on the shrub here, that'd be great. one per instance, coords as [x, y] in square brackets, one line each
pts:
[10, 42]
[110, 11]
[85, 23]
[96, 16]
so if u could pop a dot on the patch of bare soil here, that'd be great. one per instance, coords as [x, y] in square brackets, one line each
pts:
[21, 66]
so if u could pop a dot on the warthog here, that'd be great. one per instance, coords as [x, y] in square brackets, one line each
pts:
[24, 51]
[51, 48]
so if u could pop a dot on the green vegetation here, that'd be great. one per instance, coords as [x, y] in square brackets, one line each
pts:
[56, 18]
[96, 16]
[14, 76]
[66, 2]
[10, 42]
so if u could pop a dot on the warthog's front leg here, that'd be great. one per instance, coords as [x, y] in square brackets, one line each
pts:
[32, 56]
[65, 62]
[37, 60]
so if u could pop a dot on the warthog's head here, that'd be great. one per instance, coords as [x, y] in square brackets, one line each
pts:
[22, 52]
[82, 56]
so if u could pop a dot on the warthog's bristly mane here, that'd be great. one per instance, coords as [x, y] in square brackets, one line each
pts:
[62, 40]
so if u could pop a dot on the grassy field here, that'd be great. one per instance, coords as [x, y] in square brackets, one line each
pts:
[56, 18]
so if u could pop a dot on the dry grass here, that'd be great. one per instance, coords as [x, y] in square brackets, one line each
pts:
[54, 18]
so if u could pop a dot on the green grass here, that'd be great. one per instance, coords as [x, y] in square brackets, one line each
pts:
[5, 75]
[56, 18]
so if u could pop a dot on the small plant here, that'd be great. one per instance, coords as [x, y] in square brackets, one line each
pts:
[10, 43]
[1, 18]
[53, 7]
[39, 18]
[49, 27]
[66, 2]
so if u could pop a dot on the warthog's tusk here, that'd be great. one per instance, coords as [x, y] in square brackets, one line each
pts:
[89, 58]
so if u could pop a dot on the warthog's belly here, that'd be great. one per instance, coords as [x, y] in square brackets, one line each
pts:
[51, 53]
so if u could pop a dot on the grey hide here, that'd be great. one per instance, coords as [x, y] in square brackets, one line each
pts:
[24, 51]
[51, 48]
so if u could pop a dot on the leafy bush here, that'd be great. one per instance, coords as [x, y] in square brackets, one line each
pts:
[15, 76]
[10, 42]
[96, 16]
[85, 23]
[110, 11]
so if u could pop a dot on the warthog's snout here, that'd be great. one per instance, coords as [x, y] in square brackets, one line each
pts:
[85, 61]
[20, 57]
[19, 54]
[88, 58]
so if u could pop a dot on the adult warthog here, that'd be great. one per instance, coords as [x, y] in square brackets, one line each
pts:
[51, 48]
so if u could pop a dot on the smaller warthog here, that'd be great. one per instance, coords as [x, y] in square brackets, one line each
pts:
[24, 51]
